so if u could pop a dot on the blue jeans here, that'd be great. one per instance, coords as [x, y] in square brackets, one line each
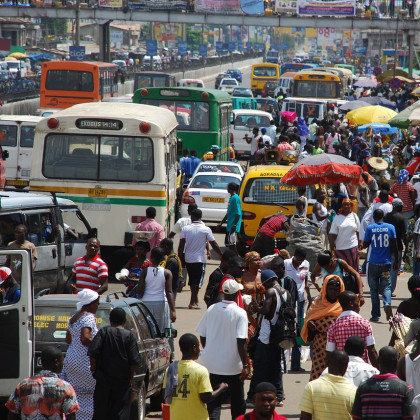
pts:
[379, 276]
[297, 350]
[267, 368]
[394, 273]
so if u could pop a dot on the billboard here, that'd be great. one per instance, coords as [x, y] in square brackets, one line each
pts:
[77, 53]
[110, 3]
[223, 7]
[253, 7]
[285, 6]
[158, 4]
[326, 8]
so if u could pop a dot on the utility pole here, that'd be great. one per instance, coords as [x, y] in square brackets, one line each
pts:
[77, 35]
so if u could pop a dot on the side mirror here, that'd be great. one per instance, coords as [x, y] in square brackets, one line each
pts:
[170, 333]
[5, 154]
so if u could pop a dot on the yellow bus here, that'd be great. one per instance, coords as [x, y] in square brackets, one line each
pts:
[263, 73]
[318, 84]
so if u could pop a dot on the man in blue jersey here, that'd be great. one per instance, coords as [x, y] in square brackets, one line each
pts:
[381, 238]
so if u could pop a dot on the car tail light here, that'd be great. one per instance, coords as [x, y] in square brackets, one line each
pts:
[231, 138]
[248, 215]
[187, 199]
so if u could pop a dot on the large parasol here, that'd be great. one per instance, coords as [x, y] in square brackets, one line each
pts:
[370, 114]
[325, 168]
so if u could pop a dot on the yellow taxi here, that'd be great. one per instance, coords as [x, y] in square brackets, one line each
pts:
[262, 194]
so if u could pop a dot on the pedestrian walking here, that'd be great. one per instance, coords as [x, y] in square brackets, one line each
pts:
[193, 241]
[151, 225]
[90, 271]
[172, 263]
[233, 217]
[223, 332]
[380, 237]
[44, 395]
[331, 396]
[114, 356]
[392, 397]
[404, 190]
[350, 323]
[187, 383]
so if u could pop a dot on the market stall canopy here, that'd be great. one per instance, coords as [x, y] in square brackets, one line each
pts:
[352, 105]
[378, 128]
[366, 82]
[40, 57]
[379, 100]
[402, 120]
[415, 116]
[325, 168]
[370, 114]
[389, 74]
[416, 91]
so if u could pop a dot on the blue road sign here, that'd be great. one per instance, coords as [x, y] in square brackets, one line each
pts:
[219, 46]
[151, 47]
[202, 50]
[77, 53]
[182, 47]
[231, 46]
[249, 45]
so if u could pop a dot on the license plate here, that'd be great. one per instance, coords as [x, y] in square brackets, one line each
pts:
[98, 192]
[213, 200]
[17, 183]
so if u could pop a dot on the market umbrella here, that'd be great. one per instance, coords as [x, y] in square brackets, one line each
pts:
[379, 100]
[352, 105]
[289, 115]
[389, 74]
[367, 82]
[402, 120]
[325, 168]
[416, 91]
[378, 128]
[17, 55]
[10, 58]
[370, 114]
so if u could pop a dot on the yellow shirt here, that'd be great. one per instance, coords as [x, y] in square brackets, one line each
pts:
[193, 380]
[328, 397]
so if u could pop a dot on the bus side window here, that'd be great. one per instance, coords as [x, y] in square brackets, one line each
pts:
[40, 230]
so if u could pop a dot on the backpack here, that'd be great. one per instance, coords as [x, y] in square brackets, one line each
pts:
[283, 332]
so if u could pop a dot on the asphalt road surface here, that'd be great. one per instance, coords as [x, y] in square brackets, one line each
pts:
[293, 383]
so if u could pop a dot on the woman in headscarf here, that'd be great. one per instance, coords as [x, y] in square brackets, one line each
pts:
[323, 311]
[344, 234]
[404, 190]
[303, 133]
[76, 369]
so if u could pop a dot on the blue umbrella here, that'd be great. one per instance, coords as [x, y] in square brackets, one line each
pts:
[379, 100]
[379, 128]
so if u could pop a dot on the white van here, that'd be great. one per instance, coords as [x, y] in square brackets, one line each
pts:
[14, 67]
[285, 83]
[17, 133]
[191, 83]
[56, 227]
[243, 122]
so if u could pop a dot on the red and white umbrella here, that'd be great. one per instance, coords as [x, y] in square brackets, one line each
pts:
[324, 168]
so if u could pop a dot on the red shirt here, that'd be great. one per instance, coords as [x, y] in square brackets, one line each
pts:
[273, 225]
[390, 199]
[252, 416]
[403, 192]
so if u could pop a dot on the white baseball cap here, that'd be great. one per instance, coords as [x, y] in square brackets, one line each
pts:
[230, 287]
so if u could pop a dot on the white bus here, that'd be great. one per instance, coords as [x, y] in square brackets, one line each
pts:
[17, 136]
[115, 161]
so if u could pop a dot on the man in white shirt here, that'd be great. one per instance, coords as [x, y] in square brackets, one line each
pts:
[357, 369]
[182, 221]
[254, 141]
[297, 268]
[265, 137]
[193, 241]
[223, 333]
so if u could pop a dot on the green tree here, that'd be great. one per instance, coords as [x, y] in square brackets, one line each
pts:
[55, 27]
[194, 39]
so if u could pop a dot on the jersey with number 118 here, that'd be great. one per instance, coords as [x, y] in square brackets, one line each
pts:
[380, 236]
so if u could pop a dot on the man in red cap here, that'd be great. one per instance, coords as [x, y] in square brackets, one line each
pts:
[9, 285]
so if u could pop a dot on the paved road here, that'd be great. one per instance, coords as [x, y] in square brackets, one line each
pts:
[294, 383]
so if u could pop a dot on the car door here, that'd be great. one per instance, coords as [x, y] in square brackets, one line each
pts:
[16, 329]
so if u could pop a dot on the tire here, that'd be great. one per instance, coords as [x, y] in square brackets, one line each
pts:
[156, 401]
[138, 407]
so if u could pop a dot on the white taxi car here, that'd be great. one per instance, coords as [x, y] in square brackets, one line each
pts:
[228, 84]
[209, 191]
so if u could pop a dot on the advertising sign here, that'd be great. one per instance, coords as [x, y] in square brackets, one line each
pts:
[241, 46]
[202, 50]
[182, 47]
[151, 47]
[249, 45]
[158, 4]
[223, 7]
[285, 6]
[110, 3]
[326, 8]
[252, 7]
[326, 37]
[77, 53]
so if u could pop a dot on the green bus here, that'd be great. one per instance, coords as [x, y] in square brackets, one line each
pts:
[346, 66]
[203, 115]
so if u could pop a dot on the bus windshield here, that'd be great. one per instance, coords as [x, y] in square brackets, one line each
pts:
[191, 116]
[73, 80]
[265, 71]
[144, 80]
[316, 89]
[269, 191]
[98, 158]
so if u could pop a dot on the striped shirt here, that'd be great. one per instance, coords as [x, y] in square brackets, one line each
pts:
[272, 226]
[384, 397]
[89, 273]
[403, 192]
[328, 397]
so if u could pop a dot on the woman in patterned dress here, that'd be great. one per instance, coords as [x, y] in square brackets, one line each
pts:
[323, 311]
[76, 370]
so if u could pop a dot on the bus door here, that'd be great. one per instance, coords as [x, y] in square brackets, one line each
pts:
[16, 329]
[25, 149]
